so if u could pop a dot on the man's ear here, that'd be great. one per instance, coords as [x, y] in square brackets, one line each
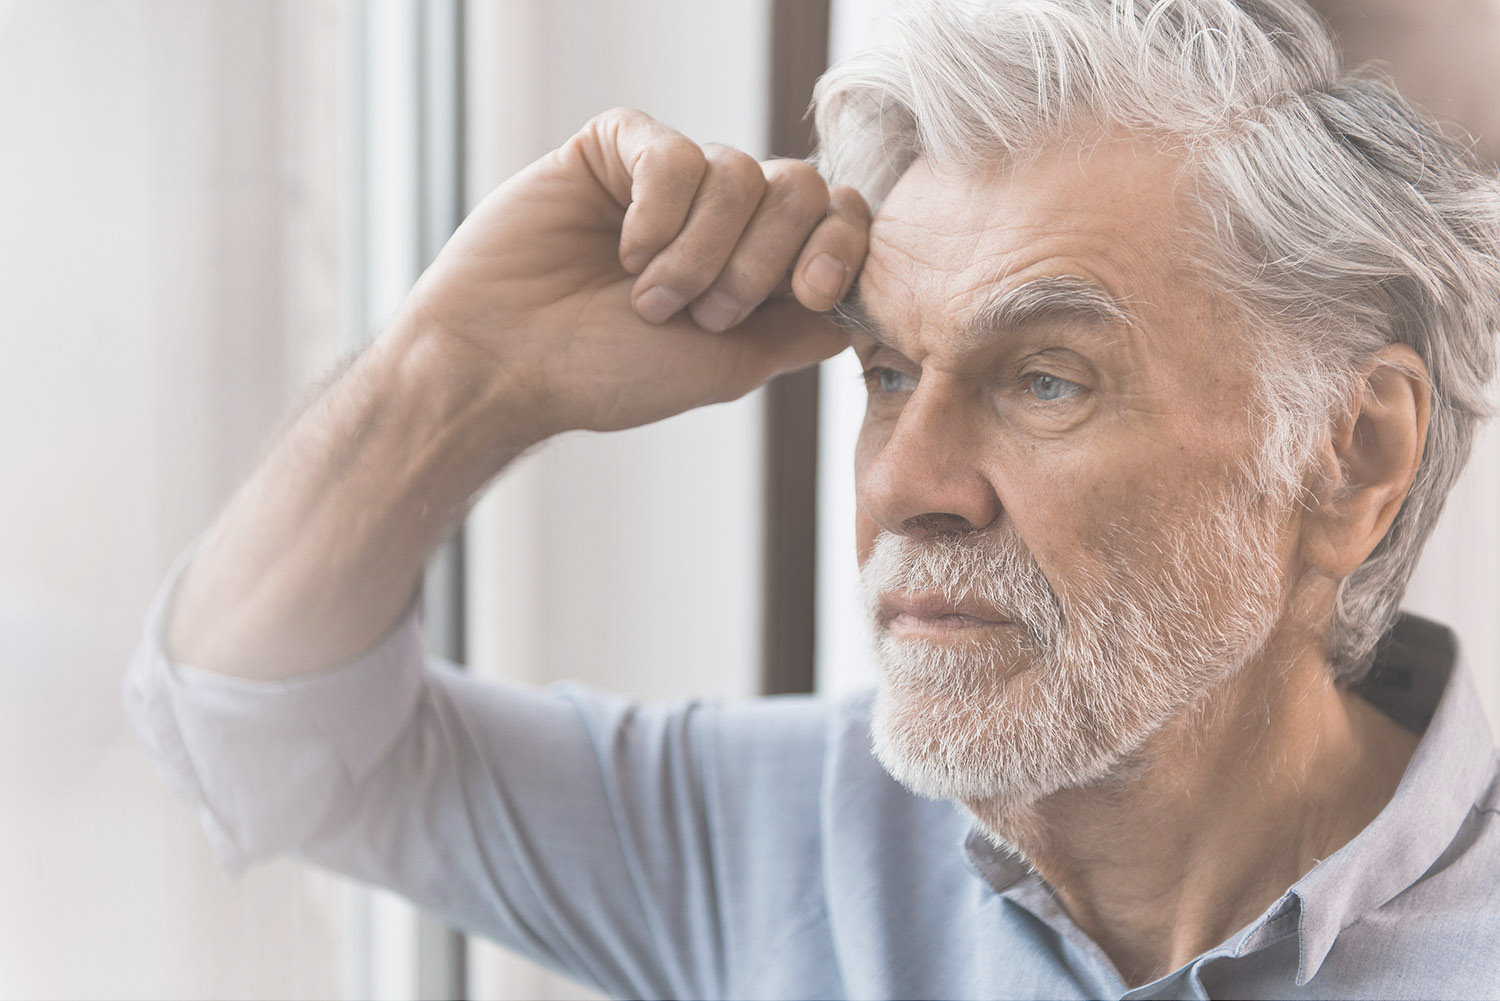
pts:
[1368, 464]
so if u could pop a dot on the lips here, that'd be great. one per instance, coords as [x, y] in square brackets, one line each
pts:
[930, 611]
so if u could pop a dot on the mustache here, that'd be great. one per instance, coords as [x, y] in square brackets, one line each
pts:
[995, 570]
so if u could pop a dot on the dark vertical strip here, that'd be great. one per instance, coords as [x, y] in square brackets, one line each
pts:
[441, 950]
[457, 943]
[440, 179]
[799, 54]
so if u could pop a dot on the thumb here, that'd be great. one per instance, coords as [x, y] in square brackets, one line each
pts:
[779, 336]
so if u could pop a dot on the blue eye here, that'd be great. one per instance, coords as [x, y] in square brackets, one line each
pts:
[1049, 388]
[887, 380]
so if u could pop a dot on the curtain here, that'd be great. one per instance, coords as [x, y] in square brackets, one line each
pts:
[171, 262]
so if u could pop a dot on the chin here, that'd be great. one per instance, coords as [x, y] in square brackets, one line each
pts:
[1000, 748]
[923, 742]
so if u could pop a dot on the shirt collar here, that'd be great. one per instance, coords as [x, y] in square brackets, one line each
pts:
[997, 864]
[1418, 680]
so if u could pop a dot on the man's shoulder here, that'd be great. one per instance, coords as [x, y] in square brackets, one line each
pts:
[1457, 895]
[1439, 932]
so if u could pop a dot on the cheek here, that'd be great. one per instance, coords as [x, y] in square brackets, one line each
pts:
[1080, 525]
[1064, 507]
[872, 438]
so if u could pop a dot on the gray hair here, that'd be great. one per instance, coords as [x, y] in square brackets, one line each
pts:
[1335, 218]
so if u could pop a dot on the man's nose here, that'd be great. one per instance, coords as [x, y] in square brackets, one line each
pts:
[927, 478]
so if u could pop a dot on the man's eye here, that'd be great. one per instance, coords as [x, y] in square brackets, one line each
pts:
[887, 380]
[1049, 388]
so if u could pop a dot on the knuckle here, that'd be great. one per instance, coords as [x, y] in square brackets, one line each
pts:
[848, 201]
[678, 150]
[675, 162]
[803, 192]
[797, 174]
[618, 115]
[719, 153]
[738, 167]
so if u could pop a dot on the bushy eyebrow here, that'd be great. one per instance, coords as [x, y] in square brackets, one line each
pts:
[1066, 298]
[850, 314]
[1053, 299]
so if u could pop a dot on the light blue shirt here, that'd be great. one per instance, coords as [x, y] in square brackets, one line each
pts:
[759, 850]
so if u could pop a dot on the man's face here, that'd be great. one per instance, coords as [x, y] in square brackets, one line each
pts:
[1057, 549]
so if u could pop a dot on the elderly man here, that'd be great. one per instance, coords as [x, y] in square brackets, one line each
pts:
[1175, 339]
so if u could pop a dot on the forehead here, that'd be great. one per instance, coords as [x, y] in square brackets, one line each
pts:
[1109, 213]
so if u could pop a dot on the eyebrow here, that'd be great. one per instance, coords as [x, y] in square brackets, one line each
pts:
[1053, 299]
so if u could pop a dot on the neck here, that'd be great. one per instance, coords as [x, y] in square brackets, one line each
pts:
[1216, 816]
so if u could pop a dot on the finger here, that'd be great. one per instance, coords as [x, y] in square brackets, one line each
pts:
[665, 181]
[727, 197]
[834, 253]
[780, 337]
[794, 204]
[651, 170]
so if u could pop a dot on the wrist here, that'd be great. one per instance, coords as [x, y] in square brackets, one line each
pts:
[486, 407]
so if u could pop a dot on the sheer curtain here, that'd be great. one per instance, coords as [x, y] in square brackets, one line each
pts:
[170, 252]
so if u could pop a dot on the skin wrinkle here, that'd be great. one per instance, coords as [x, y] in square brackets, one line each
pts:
[1161, 739]
[1057, 300]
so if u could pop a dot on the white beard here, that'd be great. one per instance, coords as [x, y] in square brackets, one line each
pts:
[1094, 669]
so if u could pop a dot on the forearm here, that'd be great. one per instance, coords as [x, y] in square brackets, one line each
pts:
[533, 325]
[321, 549]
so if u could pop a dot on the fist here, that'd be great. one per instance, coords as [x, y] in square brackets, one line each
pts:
[633, 274]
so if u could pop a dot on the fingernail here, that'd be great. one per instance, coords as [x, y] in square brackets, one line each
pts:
[825, 275]
[636, 262]
[658, 303]
[716, 311]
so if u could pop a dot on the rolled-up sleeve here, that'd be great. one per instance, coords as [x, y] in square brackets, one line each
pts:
[262, 762]
[593, 834]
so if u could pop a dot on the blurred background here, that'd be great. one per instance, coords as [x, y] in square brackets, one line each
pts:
[204, 204]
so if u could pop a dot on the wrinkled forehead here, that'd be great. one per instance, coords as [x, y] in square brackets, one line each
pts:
[1106, 214]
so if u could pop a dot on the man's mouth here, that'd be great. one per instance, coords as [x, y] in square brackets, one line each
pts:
[934, 613]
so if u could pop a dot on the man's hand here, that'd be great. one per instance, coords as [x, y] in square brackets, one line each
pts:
[632, 275]
[626, 277]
